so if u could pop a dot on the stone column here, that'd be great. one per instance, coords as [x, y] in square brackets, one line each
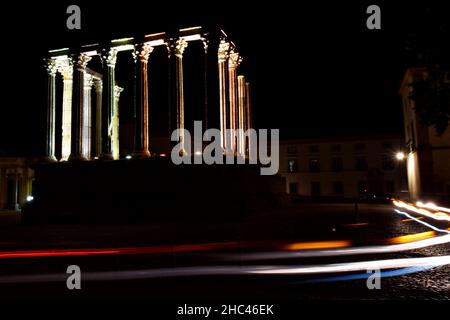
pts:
[98, 117]
[66, 69]
[248, 106]
[115, 125]
[223, 52]
[248, 113]
[233, 62]
[87, 117]
[79, 70]
[205, 79]
[180, 46]
[109, 58]
[3, 188]
[242, 147]
[51, 109]
[141, 145]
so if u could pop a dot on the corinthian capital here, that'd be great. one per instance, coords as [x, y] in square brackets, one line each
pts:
[142, 52]
[65, 67]
[50, 66]
[180, 46]
[82, 61]
[224, 48]
[117, 91]
[88, 81]
[109, 57]
[234, 59]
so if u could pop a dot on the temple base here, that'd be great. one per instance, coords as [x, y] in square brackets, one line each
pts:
[153, 190]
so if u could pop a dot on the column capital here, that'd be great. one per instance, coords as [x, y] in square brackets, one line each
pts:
[65, 67]
[50, 66]
[142, 52]
[98, 84]
[205, 42]
[82, 61]
[234, 59]
[109, 57]
[223, 52]
[117, 91]
[88, 81]
[180, 46]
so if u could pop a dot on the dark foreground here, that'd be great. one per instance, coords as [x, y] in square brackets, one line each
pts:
[212, 264]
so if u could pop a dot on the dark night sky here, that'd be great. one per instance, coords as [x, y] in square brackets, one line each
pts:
[315, 69]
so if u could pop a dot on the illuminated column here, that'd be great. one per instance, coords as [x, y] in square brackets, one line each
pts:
[222, 60]
[233, 62]
[98, 117]
[79, 72]
[115, 124]
[66, 69]
[109, 59]
[205, 79]
[248, 106]
[87, 117]
[51, 109]
[180, 46]
[242, 145]
[141, 55]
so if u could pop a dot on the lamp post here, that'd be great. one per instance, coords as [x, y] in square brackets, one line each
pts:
[400, 156]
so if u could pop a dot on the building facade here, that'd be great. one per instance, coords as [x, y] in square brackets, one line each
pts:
[428, 154]
[343, 168]
[16, 179]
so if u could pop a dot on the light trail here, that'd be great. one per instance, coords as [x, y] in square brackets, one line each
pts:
[438, 215]
[234, 270]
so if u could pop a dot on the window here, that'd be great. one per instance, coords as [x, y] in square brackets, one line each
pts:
[360, 147]
[292, 150]
[362, 187]
[361, 164]
[390, 186]
[314, 149]
[387, 162]
[293, 188]
[338, 187]
[314, 165]
[315, 188]
[337, 165]
[292, 166]
[336, 148]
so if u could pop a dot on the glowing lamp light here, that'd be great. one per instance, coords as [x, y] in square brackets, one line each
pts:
[198, 153]
[400, 156]
[162, 154]
[128, 157]
[30, 198]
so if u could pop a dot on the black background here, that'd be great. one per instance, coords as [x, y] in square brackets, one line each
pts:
[316, 70]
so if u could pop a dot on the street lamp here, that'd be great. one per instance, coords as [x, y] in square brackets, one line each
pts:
[400, 156]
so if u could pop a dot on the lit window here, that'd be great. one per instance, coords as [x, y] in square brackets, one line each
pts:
[292, 166]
